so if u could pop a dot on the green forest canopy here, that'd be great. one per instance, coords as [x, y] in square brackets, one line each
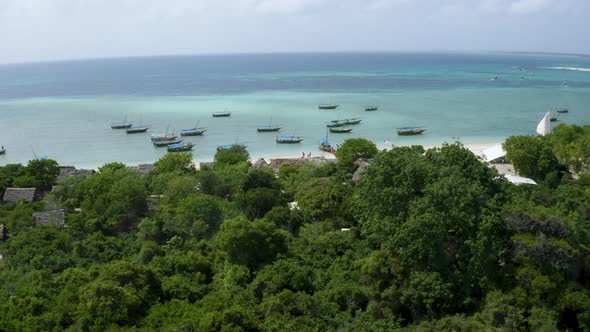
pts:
[436, 241]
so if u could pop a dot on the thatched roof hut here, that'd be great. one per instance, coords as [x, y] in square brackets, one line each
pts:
[143, 169]
[53, 218]
[260, 163]
[12, 195]
[67, 171]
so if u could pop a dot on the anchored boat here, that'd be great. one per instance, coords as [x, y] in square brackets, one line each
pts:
[268, 128]
[180, 147]
[121, 125]
[162, 144]
[196, 131]
[408, 131]
[221, 114]
[289, 139]
[326, 147]
[327, 106]
[137, 129]
[340, 130]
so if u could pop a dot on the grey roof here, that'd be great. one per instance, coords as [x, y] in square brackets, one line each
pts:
[15, 194]
[54, 218]
[276, 163]
[67, 171]
[362, 164]
[144, 169]
[260, 163]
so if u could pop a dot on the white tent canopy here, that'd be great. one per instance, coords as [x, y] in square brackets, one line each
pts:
[519, 179]
[493, 153]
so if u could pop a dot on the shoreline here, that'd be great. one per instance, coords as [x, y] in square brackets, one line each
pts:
[475, 148]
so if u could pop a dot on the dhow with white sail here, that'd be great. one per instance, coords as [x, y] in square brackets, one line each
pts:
[544, 127]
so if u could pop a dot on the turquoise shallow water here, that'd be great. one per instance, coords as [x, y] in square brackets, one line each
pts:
[46, 113]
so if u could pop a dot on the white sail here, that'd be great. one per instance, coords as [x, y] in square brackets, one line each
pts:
[544, 127]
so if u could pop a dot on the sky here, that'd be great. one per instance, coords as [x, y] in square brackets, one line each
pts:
[44, 30]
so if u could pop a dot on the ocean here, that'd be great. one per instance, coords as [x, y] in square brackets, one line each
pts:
[63, 110]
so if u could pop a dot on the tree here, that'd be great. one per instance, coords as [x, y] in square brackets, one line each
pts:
[531, 156]
[252, 244]
[325, 198]
[175, 162]
[261, 178]
[233, 155]
[257, 202]
[9, 173]
[111, 201]
[194, 217]
[353, 149]
[571, 145]
[44, 172]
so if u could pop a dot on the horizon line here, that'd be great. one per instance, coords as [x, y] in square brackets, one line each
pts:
[165, 55]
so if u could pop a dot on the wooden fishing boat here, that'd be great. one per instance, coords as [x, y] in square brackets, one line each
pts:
[163, 137]
[340, 130]
[563, 110]
[221, 114]
[180, 147]
[326, 147]
[335, 123]
[162, 144]
[197, 131]
[289, 139]
[408, 131]
[3, 151]
[269, 128]
[137, 129]
[553, 118]
[353, 121]
[371, 108]
[121, 125]
[327, 106]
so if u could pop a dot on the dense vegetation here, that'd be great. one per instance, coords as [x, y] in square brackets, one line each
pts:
[433, 240]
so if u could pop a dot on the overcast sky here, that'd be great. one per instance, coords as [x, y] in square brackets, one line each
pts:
[37, 30]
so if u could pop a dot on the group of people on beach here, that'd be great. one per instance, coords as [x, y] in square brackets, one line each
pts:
[303, 155]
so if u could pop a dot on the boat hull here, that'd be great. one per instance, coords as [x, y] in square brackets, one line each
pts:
[221, 115]
[289, 140]
[410, 132]
[340, 131]
[327, 107]
[121, 126]
[156, 139]
[327, 148]
[371, 109]
[162, 144]
[193, 132]
[136, 130]
[268, 130]
[184, 148]
[2, 151]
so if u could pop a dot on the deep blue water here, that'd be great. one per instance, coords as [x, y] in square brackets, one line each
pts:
[234, 74]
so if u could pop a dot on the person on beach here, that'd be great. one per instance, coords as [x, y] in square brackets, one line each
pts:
[302, 154]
